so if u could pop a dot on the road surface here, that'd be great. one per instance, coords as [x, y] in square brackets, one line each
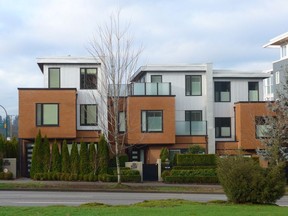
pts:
[44, 198]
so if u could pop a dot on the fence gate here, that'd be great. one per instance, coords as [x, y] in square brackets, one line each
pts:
[150, 172]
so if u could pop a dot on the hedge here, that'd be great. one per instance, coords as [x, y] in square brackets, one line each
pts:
[196, 160]
[192, 173]
[191, 179]
[122, 160]
[124, 178]
[56, 176]
[193, 167]
[6, 176]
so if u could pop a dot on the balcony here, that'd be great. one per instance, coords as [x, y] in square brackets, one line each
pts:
[191, 128]
[150, 89]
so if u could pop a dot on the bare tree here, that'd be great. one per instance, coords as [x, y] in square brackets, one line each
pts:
[114, 47]
[274, 128]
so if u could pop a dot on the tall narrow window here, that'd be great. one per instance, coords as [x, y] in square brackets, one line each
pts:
[262, 127]
[88, 78]
[152, 121]
[47, 114]
[193, 85]
[253, 91]
[54, 77]
[88, 114]
[222, 127]
[222, 91]
[121, 122]
[277, 77]
[156, 79]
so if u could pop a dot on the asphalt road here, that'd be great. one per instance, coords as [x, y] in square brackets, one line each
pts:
[44, 198]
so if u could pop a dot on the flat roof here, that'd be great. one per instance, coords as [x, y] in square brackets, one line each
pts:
[169, 68]
[240, 74]
[66, 60]
[277, 41]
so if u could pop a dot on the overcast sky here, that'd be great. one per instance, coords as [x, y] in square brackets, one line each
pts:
[228, 33]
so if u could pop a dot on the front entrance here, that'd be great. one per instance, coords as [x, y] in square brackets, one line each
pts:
[150, 172]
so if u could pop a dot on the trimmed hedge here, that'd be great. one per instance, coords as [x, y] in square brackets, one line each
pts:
[195, 172]
[196, 160]
[124, 178]
[56, 176]
[191, 179]
[193, 167]
[6, 176]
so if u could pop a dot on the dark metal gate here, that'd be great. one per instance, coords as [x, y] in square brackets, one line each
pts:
[150, 172]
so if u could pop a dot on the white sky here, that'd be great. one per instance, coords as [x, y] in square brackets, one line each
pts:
[228, 33]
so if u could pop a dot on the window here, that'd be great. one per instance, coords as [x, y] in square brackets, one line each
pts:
[121, 122]
[151, 121]
[88, 114]
[284, 51]
[262, 128]
[222, 91]
[156, 79]
[253, 91]
[47, 114]
[277, 77]
[193, 86]
[193, 115]
[222, 127]
[54, 77]
[88, 78]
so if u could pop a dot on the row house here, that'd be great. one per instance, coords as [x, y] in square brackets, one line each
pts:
[174, 106]
[278, 75]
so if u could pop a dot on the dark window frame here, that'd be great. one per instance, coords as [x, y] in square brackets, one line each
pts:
[146, 120]
[222, 118]
[215, 92]
[84, 84]
[42, 115]
[86, 115]
[191, 111]
[250, 90]
[49, 79]
[188, 85]
[156, 76]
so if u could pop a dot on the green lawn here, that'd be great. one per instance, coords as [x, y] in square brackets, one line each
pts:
[164, 207]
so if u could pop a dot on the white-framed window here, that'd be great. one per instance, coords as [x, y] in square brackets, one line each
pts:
[152, 121]
[277, 77]
[283, 51]
[121, 122]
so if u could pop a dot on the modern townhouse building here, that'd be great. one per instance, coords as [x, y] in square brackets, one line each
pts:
[174, 106]
[66, 107]
[280, 67]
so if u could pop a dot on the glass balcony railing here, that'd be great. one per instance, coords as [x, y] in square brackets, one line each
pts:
[150, 89]
[140, 89]
[191, 128]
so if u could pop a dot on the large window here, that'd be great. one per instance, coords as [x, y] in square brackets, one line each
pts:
[222, 91]
[277, 77]
[54, 77]
[253, 91]
[193, 85]
[193, 115]
[88, 114]
[262, 127]
[152, 121]
[88, 78]
[222, 127]
[47, 114]
[121, 122]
